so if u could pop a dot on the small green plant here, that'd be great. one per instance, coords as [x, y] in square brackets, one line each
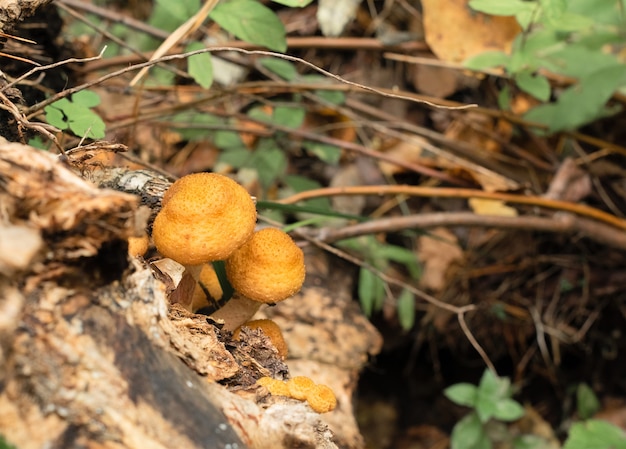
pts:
[577, 39]
[372, 289]
[77, 115]
[592, 433]
[492, 406]
[595, 434]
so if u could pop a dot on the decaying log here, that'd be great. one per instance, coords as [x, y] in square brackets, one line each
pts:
[14, 11]
[93, 355]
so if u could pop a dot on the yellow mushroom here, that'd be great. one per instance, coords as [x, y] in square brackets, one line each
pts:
[268, 268]
[274, 386]
[321, 398]
[271, 330]
[138, 246]
[204, 217]
[299, 387]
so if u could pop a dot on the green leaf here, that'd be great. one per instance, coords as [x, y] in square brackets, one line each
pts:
[237, 157]
[504, 98]
[531, 442]
[87, 124]
[571, 22]
[332, 96]
[169, 15]
[462, 394]
[270, 163]
[259, 113]
[86, 98]
[251, 21]
[192, 124]
[227, 140]
[469, 433]
[285, 69]
[76, 115]
[294, 3]
[595, 434]
[581, 103]
[576, 61]
[536, 85]
[371, 291]
[487, 59]
[552, 10]
[491, 390]
[291, 117]
[55, 117]
[301, 184]
[200, 66]
[366, 290]
[227, 289]
[406, 309]
[502, 8]
[587, 402]
[270, 205]
[508, 410]
[607, 12]
[326, 153]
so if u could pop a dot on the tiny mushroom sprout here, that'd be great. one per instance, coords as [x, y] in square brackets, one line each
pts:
[271, 330]
[268, 268]
[299, 387]
[204, 217]
[320, 398]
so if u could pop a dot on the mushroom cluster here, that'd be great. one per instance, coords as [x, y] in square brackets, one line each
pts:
[208, 217]
[319, 397]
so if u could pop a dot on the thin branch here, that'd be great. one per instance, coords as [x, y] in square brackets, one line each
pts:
[116, 18]
[559, 223]
[475, 344]
[381, 92]
[48, 67]
[442, 192]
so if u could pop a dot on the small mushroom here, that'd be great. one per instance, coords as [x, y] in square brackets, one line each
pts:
[204, 217]
[271, 330]
[299, 387]
[138, 246]
[274, 386]
[268, 268]
[321, 398]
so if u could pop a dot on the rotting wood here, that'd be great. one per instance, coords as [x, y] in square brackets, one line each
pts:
[90, 355]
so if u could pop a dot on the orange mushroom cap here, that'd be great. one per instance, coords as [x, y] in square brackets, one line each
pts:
[138, 246]
[268, 268]
[321, 398]
[274, 386]
[299, 387]
[204, 217]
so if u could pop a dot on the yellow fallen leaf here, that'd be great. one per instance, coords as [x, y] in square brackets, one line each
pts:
[482, 206]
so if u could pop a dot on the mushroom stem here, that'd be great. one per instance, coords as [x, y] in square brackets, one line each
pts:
[194, 271]
[236, 312]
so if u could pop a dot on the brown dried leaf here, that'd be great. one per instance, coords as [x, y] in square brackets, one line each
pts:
[455, 32]
[440, 256]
